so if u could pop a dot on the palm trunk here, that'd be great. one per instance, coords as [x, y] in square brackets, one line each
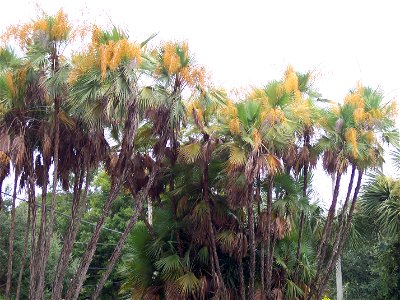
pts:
[32, 263]
[11, 243]
[262, 268]
[305, 184]
[78, 208]
[269, 261]
[150, 210]
[25, 250]
[339, 281]
[45, 248]
[339, 278]
[121, 242]
[242, 286]
[262, 244]
[344, 232]
[252, 245]
[55, 179]
[77, 282]
[210, 227]
[1, 196]
[329, 221]
[301, 227]
[40, 249]
[117, 180]
[340, 224]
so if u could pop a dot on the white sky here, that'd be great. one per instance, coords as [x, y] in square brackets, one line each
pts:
[251, 42]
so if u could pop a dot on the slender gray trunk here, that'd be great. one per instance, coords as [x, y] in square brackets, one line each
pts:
[252, 245]
[329, 221]
[343, 236]
[11, 243]
[77, 211]
[269, 259]
[40, 249]
[242, 286]
[25, 250]
[32, 263]
[117, 180]
[339, 282]
[121, 242]
[77, 282]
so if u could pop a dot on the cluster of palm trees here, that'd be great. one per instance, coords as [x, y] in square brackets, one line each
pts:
[226, 183]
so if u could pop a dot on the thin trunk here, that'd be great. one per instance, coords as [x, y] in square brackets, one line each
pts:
[121, 242]
[301, 228]
[314, 283]
[271, 261]
[329, 221]
[340, 225]
[262, 247]
[25, 249]
[344, 232]
[339, 277]
[11, 243]
[174, 215]
[252, 245]
[55, 180]
[339, 281]
[268, 278]
[298, 251]
[1, 197]
[77, 281]
[117, 180]
[45, 249]
[40, 248]
[150, 210]
[305, 184]
[77, 211]
[262, 268]
[148, 225]
[32, 263]
[211, 229]
[242, 286]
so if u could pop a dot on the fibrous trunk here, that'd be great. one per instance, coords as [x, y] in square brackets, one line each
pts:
[252, 246]
[118, 178]
[77, 210]
[25, 249]
[11, 240]
[269, 261]
[121, 242]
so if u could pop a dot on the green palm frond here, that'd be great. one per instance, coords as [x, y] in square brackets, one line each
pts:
[189, 153]
[8, 58]
[237, 156]
[226, 239]
[380, 201]
[203, 255]
[293, 291]
[170, 267]
[188, 284]
[396, 158]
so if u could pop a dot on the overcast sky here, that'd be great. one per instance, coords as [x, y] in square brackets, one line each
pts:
[250, 42]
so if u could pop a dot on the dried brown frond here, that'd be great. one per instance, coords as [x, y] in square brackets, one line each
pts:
[18, 152]
[277, 294]
[4, 142]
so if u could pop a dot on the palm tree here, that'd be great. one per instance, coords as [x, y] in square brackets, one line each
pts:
[362, 120]
[258, 135]
[14, 125]
[203, 109]
[112, 76]
[42, 41]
